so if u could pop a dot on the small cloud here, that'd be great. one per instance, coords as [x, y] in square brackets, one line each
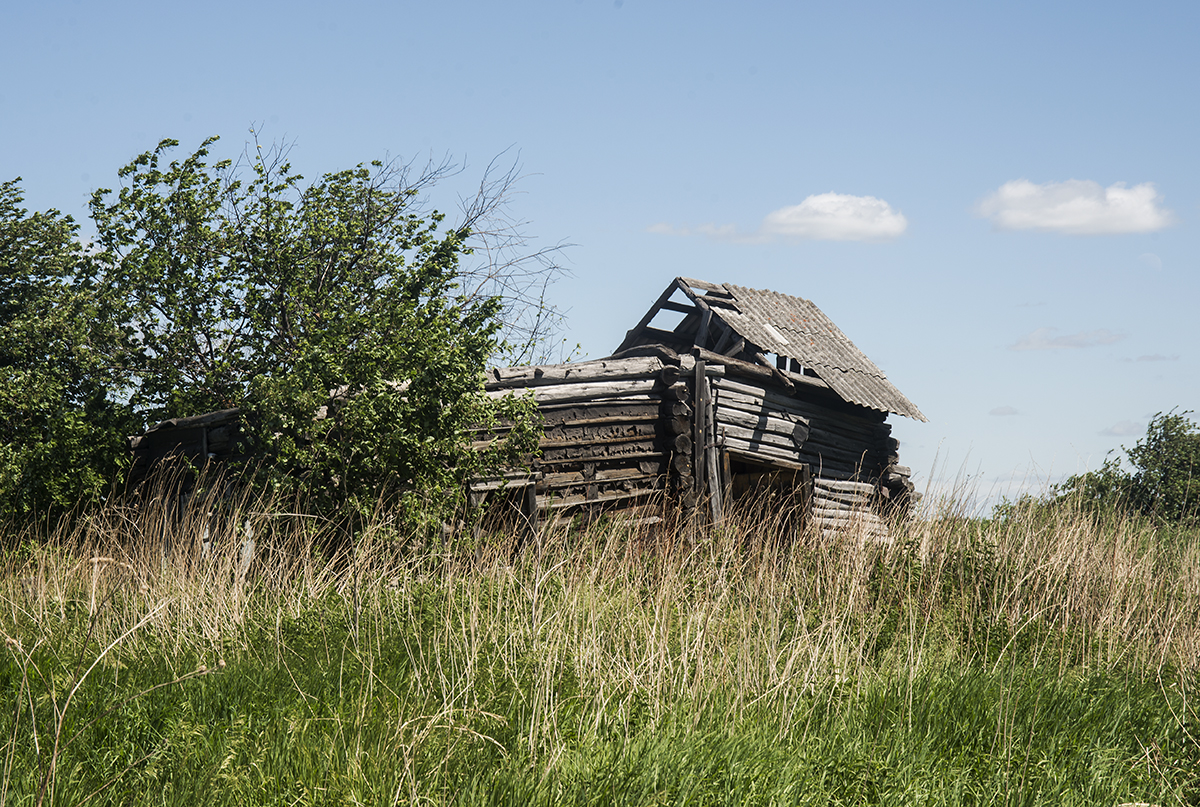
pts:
[1123, 429]
[821, 217]
[836, 217]
[1148, 260]
[1042, 339]
[662, 228]
[1004, 411]
[1077, 207]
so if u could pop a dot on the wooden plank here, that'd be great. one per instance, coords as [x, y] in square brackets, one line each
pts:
[705, 286]
[829, 417]
[856, 487]
[637, 330]
[579, 392]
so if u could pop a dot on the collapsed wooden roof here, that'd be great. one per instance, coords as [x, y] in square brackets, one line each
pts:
[749, 324]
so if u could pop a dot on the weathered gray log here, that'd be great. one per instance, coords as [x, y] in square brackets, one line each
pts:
[699, 423]
[763, 422]
[752, 447]
[770, 461]
[648, 367]
[568, 478]
[551, 502]
[783, 441]
[856, 487]
[579, 392]
[823, 420]
[711, 450]
[631, 407]
[850, 516]
[835, 504]
[842, 496]
[687, 364]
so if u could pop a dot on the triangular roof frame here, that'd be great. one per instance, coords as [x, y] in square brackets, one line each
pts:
[748, 324]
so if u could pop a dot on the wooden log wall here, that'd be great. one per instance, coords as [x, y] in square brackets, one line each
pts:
[614, 431]
[212, 436]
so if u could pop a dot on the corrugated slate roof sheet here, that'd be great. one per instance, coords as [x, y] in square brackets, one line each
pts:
[794, 327]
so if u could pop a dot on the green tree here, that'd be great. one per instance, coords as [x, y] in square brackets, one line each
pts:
[342, 297]
[1165, 479]
[343, 317]
[62, 366]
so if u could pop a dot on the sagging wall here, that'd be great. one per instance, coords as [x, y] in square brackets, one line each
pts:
[620, 430]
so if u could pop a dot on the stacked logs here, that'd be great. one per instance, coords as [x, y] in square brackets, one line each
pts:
[836, 444]
[613, 429]
[840, 506]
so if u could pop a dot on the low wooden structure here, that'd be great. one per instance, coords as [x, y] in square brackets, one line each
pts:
[744, 392]
[747, 392]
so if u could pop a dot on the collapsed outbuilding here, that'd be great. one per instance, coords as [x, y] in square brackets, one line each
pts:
[720, 391]
[739, 391]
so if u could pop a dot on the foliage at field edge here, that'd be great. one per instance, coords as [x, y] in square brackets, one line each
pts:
[227, 285]
[1161, 483]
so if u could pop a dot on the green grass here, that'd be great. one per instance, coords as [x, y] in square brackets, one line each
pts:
[1049, 660]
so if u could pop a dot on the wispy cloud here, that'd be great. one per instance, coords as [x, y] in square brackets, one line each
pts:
[1044, 339]
[821, 217]
[1004, 411]
[1123, 429]
[1077, 207]
[719, 232]
[1156, 357]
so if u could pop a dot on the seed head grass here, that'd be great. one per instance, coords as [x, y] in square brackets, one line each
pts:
[233, 650]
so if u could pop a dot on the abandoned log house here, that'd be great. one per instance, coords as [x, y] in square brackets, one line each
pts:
[719, 392]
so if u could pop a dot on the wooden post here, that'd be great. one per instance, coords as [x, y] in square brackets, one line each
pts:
[699, 427]
[710, 456]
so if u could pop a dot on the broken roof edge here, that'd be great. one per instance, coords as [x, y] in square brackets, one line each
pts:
[746, 312]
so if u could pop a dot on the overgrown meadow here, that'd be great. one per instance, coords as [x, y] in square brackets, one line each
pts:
[237, 653]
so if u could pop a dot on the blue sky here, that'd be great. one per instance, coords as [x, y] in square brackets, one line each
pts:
[998, 203]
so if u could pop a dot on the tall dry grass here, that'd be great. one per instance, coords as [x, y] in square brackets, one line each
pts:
[587, 630]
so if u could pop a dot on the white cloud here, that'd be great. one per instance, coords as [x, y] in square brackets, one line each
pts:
[1004, 411]
[1077, 207]
[821, 217]
[1043, 339]
[836, 217]
[1122, 429]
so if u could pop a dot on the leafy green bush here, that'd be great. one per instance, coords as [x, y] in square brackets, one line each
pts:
[1164, 483]
[334, 314]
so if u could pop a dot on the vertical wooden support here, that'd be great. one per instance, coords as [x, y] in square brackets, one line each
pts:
[726, 477]
[699, 426]
[710, 455]
[531, 510]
